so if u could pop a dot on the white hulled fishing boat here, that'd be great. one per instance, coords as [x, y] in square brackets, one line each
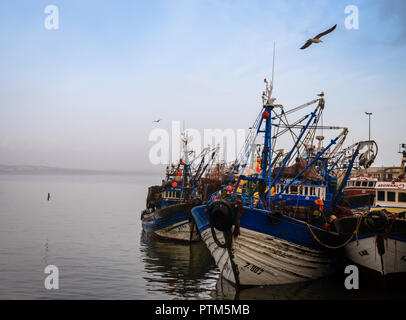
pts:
[380, 241]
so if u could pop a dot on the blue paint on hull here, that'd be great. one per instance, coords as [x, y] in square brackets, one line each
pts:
[372, 235]
[290, 229]
[152, 224]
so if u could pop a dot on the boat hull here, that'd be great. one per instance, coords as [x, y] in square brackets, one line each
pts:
[364, 250]
[171, 223]
[267, 254]
[359, 200]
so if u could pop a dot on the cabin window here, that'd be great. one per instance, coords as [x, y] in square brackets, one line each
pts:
[391, 196]
[293, 189]
[370, 184]
[364, 183]
[306, 190]
[402, 196]
[381, 195]
[358, 183]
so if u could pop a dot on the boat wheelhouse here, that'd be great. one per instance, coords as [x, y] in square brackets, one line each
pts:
[359, 192]
[391, 196]
[303, 189]
[361, 183]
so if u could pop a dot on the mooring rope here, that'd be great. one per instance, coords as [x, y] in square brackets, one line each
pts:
[355, 233]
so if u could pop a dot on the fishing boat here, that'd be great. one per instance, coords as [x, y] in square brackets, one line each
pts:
[168, 209]
[272, 226]
[379, 243]
[360, 189]
[360, 192]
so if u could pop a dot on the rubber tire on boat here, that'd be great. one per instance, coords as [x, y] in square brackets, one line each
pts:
[221, 215]
[377, 221]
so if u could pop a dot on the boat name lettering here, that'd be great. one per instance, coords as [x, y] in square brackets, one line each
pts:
[253, 268]
[399, 186]
[363, 253]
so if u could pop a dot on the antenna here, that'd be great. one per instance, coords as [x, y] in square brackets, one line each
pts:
[273, 64]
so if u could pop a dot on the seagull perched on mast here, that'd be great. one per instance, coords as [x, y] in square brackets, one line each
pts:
[316, 39]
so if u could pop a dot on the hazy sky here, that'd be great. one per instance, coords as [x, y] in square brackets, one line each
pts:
[85, 95]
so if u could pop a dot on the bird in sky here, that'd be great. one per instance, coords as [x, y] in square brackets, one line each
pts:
[316, 39]
[157, 121]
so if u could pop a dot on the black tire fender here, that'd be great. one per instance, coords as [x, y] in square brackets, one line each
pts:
[221, 215]
[377, 221]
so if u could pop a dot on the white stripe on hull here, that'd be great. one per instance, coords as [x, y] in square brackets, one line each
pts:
[364, 252]
[265, 260]
[179, 232]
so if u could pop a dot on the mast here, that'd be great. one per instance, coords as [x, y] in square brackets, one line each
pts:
[185, 164]
[267, 154]
[273, 66]
[266, 162]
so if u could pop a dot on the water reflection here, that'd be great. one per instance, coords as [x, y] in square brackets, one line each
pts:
[306, 290]
[179, 270]
[331, 288]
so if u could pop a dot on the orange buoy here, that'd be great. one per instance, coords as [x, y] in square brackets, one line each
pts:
[320, 203]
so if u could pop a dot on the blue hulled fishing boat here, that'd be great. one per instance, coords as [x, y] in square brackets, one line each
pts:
[273, 223]
[168, 208]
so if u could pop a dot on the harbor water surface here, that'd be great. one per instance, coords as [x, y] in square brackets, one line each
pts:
[91, 230]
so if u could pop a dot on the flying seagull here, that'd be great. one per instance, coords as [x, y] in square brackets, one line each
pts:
[157, 121]
[316, 39]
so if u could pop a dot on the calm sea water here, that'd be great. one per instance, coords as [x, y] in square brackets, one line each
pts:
[91, 230]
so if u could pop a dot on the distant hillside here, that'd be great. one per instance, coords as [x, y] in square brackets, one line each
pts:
[27, 169]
